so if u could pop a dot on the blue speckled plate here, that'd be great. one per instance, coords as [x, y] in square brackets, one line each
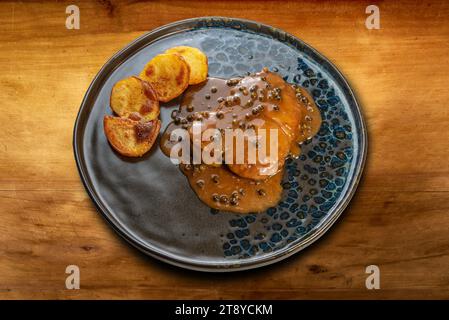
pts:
[149, 202]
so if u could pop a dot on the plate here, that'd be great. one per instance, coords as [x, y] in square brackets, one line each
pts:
[149, 202]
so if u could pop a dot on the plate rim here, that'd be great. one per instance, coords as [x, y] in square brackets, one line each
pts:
[172, 259]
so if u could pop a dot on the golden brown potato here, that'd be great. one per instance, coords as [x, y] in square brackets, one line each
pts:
[131, 138]
[196, 60]
[168, 74]
[134, 95]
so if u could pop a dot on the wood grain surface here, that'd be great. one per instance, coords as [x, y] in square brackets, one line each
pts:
[398, 220]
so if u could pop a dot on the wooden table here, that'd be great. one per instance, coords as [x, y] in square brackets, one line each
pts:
[398, 220]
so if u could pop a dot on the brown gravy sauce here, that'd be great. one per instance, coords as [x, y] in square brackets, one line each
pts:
[221, 189]
[263, 100]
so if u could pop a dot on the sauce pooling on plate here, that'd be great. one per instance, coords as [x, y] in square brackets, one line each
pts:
[221, 189]
[260, 101]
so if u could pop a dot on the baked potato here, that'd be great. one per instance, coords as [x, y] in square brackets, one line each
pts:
[196, 60]
[129, 137]
[133, 95]
[168, 74]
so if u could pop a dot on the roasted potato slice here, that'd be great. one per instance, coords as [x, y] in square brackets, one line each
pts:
[131, 138]
[168, 74]
[196, 60]
[133, 95]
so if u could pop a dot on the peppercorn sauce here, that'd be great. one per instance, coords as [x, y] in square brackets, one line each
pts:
[259, 101]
